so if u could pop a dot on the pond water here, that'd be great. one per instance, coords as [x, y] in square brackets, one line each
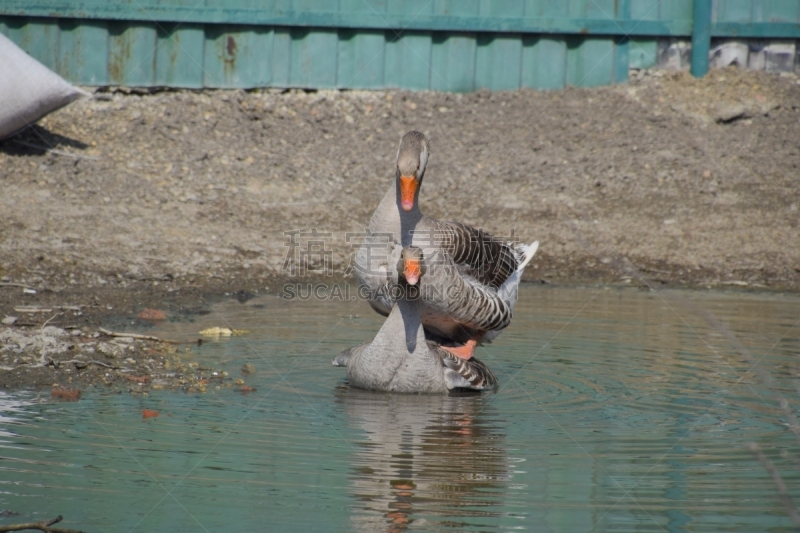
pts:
[618, 410]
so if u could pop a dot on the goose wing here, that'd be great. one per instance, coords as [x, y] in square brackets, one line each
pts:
[487, 259]
[466, 301]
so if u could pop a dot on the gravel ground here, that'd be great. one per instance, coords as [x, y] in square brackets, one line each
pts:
[160, 200]
[67, 358]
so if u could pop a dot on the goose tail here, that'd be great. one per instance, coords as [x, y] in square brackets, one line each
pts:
[525, 253]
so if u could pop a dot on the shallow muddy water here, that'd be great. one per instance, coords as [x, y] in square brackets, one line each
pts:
[618, 410]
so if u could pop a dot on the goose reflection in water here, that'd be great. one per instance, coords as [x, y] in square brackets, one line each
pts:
[425, 459]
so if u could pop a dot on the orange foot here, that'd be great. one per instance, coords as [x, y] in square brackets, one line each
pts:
[464, 352]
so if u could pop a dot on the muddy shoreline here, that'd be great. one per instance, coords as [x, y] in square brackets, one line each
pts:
[168, 201]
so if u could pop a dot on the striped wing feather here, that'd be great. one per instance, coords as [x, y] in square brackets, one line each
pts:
[487, 259]
[474, 372]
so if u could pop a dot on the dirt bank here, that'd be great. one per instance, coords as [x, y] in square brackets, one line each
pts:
[158, 200]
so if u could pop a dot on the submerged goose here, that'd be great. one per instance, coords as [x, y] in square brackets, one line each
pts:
[400, 358]
[492, 267]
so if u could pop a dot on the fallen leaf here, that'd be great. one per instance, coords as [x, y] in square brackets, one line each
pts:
[68, 395]
[244, 389]
[216, 332]
[149, 413]
[152, 314]
[139, 379]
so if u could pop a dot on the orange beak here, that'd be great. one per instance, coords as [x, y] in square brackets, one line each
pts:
[412, 271]
[408, 188]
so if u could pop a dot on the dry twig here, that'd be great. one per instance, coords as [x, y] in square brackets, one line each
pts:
[78, 363]
[137, 336]
[54, 151]
[13, 284]
[48, 321]
[37, 309]
[41, 526]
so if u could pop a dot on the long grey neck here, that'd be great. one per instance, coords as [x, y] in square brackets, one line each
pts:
[389, 217]
[402, 333]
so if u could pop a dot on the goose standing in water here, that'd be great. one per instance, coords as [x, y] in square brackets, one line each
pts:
[400, 358]
[493, 268]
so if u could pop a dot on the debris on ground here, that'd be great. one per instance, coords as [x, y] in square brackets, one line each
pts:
[71, 359]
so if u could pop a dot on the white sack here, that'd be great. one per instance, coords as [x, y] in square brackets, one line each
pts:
[28, 89]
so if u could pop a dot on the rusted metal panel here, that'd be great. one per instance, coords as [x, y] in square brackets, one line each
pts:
[544, 63]
[644, 9]
[642, 50]
[498, 62]
[237, 56]
[732, 11]
[82, 47]
[776, 11]
[498, 57]
[676, 10]
[586, 16]
[448, 45]
[361, 59]
[131, 54]
[453, 63]
[281, 57]
[407, 60]
[36, 37]
[590, 61]
[622, 46]
[313, 58]
[642, 53]
[180, 56]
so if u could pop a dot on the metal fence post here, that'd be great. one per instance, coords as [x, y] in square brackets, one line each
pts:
[701, 37]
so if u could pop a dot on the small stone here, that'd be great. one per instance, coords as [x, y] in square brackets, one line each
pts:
[707, 174]
[248, 368]
[729, 113]
[9, 320]
[111, 351]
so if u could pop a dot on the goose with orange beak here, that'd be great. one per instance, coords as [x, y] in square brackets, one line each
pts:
[401, 358]
[491, 267]
[411, 266]
[412, 158]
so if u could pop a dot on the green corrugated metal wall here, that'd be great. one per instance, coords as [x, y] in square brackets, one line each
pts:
[446, 45]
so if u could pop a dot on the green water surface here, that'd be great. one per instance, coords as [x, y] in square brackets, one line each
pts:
[619, 410]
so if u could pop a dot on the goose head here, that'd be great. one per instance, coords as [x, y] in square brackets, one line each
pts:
[411, 266]
[412, 156]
